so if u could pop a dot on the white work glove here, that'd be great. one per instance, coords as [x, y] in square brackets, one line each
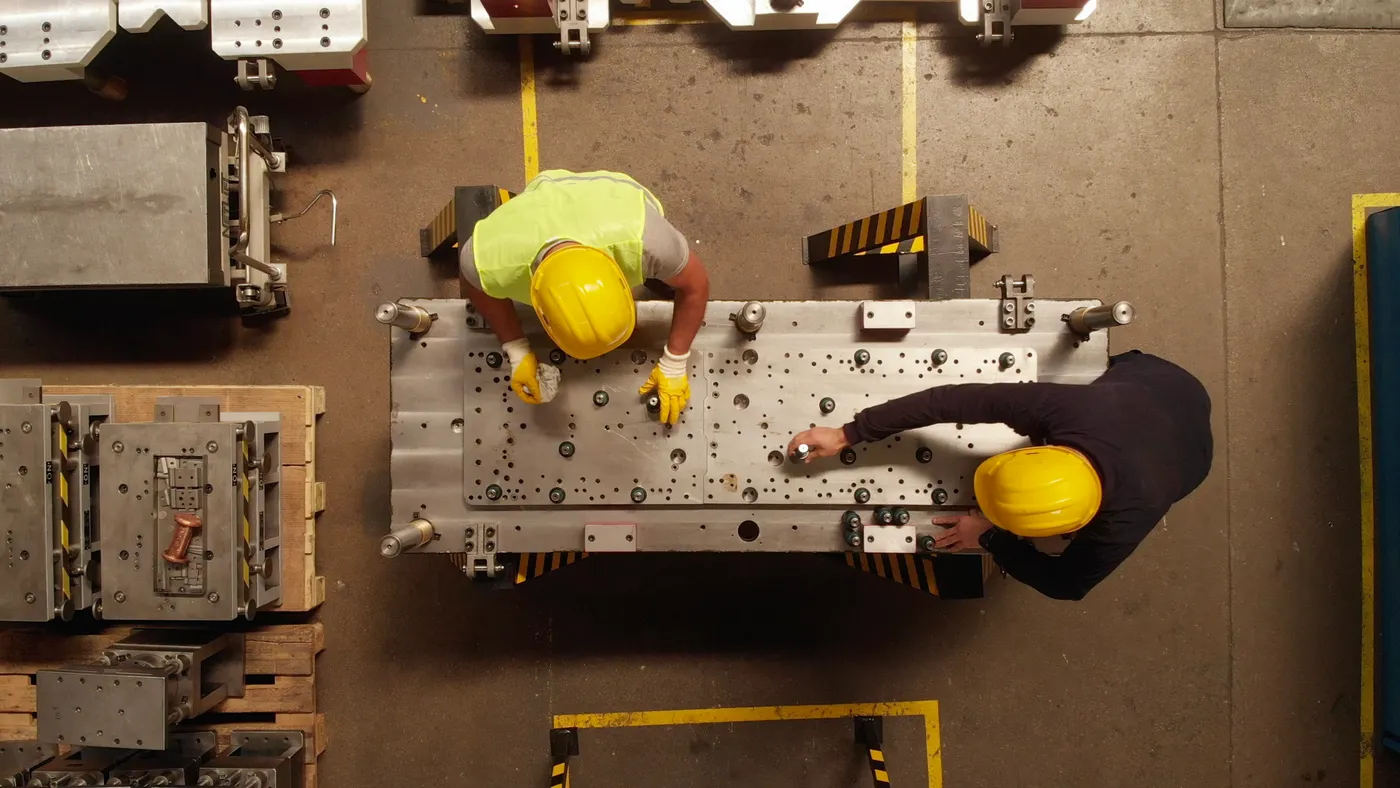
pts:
[532, 381]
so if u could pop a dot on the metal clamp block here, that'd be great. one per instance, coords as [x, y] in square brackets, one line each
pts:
[1017, 308]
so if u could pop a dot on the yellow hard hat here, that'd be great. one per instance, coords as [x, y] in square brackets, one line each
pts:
[1040, 491]
[583, 300]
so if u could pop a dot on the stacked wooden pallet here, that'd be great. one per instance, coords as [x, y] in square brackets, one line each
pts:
[279, 665]
[302, 496]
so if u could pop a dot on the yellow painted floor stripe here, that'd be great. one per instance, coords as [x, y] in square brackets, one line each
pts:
[909, 135]
[1361, 306]
[530, 124]
[835, 711]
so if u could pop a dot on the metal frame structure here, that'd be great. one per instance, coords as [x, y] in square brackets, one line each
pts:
[261, 758]
[48, 502]
[192, 504]
[442, 425]
[142, 685]
[573, 20]
[204, 195]
[322, 41]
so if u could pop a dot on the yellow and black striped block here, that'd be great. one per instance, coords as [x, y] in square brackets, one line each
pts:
[886, 228]
[533, 565]
[559, 774]
[65, 510]
[980, 232]
[943, 575]
[877, 767]
[457, 219]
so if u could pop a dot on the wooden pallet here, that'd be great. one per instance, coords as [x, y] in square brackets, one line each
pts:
[279, 662]
[303, 497]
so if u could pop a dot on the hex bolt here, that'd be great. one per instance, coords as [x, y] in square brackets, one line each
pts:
[848, 456]
[1006, 360]
[901, 516]
[853, 538]
[556, 495]
[600, 398]
[556, 356]
[940, 357]
[827, 405]
[120, 596]
[566, 449]
[493, 360]
[638, 495]
[850, 519]
[862, 495]
[940, 496]
[926, 543]
[924, 454]
[862, 357]
[884, 516]
[1008, 321]
[1008, 306]
[494, 492]
[653, 404]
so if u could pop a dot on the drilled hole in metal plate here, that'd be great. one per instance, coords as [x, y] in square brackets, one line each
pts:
[741, 401]
[748, 530]
[750, 494]
[775, 458]
[677, 456]
[639, 357]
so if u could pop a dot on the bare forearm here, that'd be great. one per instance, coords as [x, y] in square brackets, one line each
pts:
[692, 295]
[499, 313]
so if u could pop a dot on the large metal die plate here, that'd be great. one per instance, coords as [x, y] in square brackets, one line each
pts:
[26, 506]
[73, 194]
[433, 409]
[45, 40]
[151, 470]
[18, 758]
[298, 34]
[104, 707]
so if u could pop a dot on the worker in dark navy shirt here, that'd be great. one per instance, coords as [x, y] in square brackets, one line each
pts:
[1109, 459]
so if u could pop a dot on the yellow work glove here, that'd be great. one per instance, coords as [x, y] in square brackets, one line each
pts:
[671, 382]
[524, 371]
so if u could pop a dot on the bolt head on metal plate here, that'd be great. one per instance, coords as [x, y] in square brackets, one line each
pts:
[850, 519]
[940, 357]
[926, 543]
[853, 538]
[924, 454]
[883, 516]
[556, 356]
[940, 496]
[862, 357]
[848, 456]
[827, 405]
[653, 404]
[862, 495]
[1006, 360]
[638, 495]
[600, 398]
[901, 516]
[494, 492]
[494, 360]
[566, 449]
[556, 495]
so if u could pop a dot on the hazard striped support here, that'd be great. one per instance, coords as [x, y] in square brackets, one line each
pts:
[563, 744]
[870, 734]
[943, 575]
[457, 219]
[64, 509]
[533, 565]
[903, 222]
[980, 232]
[247, 505]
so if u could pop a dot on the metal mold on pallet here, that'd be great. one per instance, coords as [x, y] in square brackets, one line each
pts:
[261, 758]
[720, 480]
[48, 475]
[192, 514]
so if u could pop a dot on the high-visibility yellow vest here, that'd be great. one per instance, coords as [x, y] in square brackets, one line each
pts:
[604, 210]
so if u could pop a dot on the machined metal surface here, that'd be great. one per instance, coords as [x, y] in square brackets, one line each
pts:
[85, 766]
[134, 205]
[139, 16]
[48, 464]
[46, 40]
[436, 426]
[223, 468]
[19, 758]
[267, 759]
[297, 34]
[178, 764]
[1087, 320]
[888, 315]
[144, 684]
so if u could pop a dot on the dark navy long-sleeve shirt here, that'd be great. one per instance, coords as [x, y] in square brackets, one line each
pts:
[1145, 425]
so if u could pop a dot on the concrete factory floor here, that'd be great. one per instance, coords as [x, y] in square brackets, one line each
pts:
[1204, 174]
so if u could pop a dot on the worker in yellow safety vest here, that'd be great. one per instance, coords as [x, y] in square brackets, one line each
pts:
[573, 246]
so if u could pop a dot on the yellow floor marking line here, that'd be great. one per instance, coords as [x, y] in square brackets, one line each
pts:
[529, 117]
[928, 709]
[1360, 288]
[909, 135]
